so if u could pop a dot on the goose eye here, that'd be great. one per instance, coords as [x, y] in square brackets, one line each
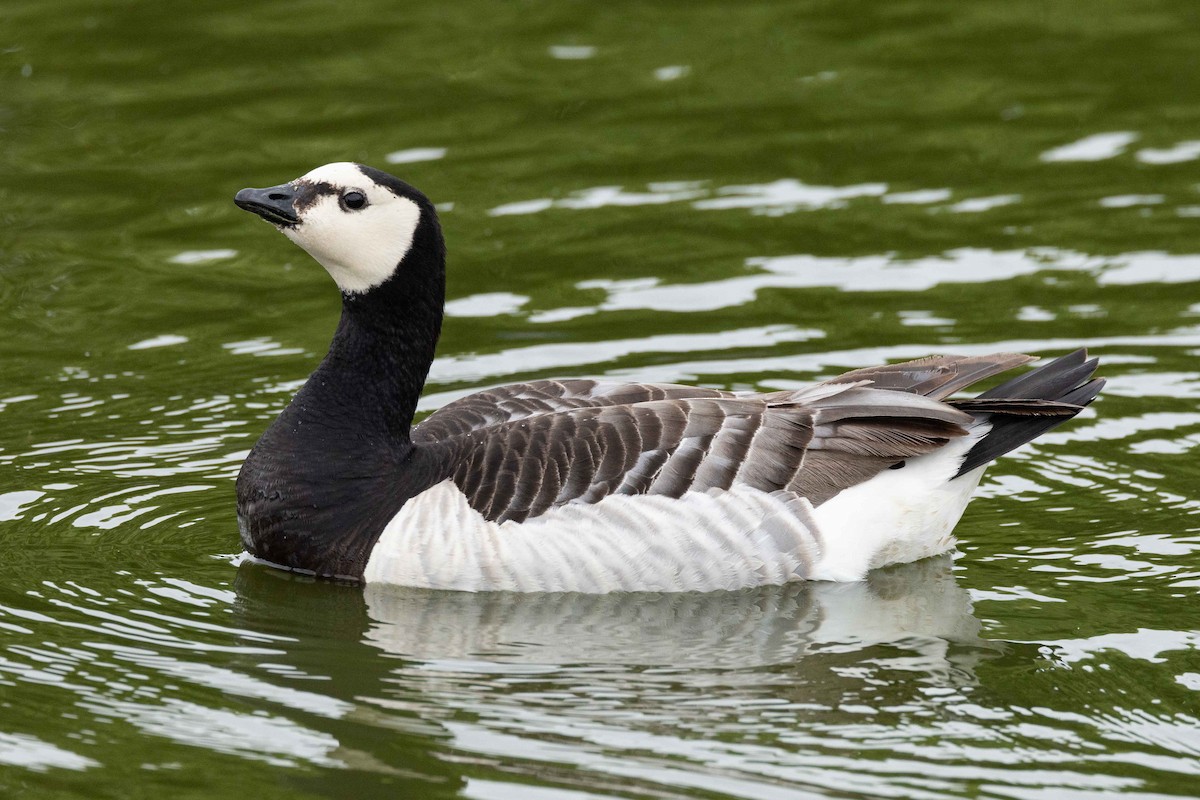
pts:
[354, 200]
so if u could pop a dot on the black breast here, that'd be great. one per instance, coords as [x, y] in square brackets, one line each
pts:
[316, 493]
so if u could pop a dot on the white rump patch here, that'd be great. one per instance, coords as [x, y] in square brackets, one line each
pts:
[359, 248]
[900, 515]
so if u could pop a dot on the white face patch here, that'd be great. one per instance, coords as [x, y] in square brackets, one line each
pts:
[359, 248]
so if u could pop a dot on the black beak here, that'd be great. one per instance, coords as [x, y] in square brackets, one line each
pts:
[275, 204]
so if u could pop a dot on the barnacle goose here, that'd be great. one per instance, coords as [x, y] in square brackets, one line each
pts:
[594, 486]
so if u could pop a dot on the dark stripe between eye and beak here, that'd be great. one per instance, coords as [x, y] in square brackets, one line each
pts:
[275, 204]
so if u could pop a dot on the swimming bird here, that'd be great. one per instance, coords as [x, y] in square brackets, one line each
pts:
[598, 486]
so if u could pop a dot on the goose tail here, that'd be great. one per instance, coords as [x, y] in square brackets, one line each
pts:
[1023, 408]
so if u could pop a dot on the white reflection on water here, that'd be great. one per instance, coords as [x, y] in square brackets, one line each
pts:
[135, 473]
[917, 197]
[923, 319]
[204, 452]
[917, 607]
[886, 273]
[561, 314]
[774, 198]
[5, 402]
[32, 753]
[415, 154]
[672, 73]
[201, 256]
[162, 340]
[260, 346]
[1144, 644]
[572, 52]
[1131, 200]
[227, 681]
[1176, 154]
[1149, 268]
[787, 195]
[1170, 447]
[485, 305]
[1035, 314]
[578, 354]
[1113, 428]
[113, 515]
[977, 205]
[273, 739]
[601, 196]
[14, 504]
[1097, 147]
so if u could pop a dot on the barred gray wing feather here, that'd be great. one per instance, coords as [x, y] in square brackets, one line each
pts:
[518, 469]
[521, 400]
[862, 431]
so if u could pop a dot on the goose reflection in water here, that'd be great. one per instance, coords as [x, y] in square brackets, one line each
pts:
[748, 690]
[918, 607]
[424, 677]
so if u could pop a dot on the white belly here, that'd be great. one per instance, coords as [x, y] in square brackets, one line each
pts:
[702, 541]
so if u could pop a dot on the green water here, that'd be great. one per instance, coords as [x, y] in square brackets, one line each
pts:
[736, 194]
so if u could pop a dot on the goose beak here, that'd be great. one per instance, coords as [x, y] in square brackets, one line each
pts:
[275, 205]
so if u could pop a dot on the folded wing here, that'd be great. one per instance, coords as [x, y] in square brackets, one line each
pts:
[811, 442]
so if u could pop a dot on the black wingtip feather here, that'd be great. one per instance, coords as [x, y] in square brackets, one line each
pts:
[1086, 393]
[1048, 382]
[1065, 380]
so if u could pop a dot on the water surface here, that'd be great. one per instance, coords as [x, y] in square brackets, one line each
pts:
[742, 195]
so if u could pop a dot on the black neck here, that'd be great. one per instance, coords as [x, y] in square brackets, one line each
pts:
[379, 359]
[385, 341]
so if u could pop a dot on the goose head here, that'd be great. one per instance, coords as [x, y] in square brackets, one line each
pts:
[358, 222]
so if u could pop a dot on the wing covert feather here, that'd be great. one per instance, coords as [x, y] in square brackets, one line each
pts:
[673, 446]
[515, 401]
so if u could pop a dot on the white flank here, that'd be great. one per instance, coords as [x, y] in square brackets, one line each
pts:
[702, 541]
[699, 542]
[360, 249]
